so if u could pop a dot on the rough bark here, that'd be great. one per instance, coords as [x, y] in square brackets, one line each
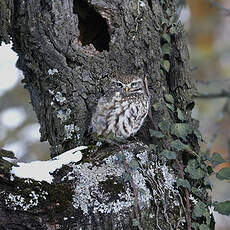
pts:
[68, 50]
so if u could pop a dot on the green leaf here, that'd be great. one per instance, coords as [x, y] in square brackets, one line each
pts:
[168, 11]
[166, 37]
[199, 210]
[222, 207]
[164, 21]
[136, 223]
[181, 130]
[198, 134]
[166, 65]
[216, 159]
[196, 225]
[156, 133]
[157, 106]
[179, 146]
[223, 174]
[133, 164]
[172, 30]
[170, 106]
[180, 114]
[120, 156]
[209, 170]
[162, 72]
[183, 183]
[168, 154]
[169, 98]
[166, 49]
[126, 177]
[194, 170]
[164, 126]
[204, 227]
[198, 192]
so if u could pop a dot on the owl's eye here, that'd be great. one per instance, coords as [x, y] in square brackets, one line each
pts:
[119, 84]
[133, 84]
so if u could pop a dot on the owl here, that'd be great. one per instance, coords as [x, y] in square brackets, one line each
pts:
[123, 108]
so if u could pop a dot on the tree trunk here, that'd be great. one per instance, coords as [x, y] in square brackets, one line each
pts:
[68, 50]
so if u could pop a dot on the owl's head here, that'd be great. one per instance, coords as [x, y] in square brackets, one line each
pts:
[128, 84]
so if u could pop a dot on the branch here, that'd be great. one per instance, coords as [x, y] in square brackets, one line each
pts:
[220, 7]
[213, 95]
[217, 128]
[222, 88]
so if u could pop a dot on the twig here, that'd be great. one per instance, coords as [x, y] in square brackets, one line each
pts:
[213, 95]
[223, 91]
[208, 82]
[220, 7]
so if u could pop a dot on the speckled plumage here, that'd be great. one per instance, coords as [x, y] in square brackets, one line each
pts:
[122, 109]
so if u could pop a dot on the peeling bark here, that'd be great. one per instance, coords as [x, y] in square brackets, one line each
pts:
[68, 51]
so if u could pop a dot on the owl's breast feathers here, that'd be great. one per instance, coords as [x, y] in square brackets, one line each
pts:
[121, 114]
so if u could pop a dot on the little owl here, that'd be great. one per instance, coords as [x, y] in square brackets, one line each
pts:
[123, 108]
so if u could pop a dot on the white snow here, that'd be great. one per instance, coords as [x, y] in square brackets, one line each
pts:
[42, 170]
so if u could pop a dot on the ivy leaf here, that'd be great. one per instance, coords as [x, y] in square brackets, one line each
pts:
[223, 174]
[133, 164]
[180, 114]
[198, 192]
[164, 21]
[166, 37]
[170, 106]
[181, 130]
[168, 11]
[179, 146]
[199, 210]
[172, 30]
[156, 133]
[216, 159]
[204, 227]
[166, 49]
[196, 225]
[168, 154]
[166, 65]
[222, 207]
[183, 183]
[194, 170]
[157, 106]
[136, 223]
[164, 126]
[169, 98]
[120, 156]
[126, 177]
[198, 134]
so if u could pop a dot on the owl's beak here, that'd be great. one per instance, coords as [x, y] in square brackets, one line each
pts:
[126, 89]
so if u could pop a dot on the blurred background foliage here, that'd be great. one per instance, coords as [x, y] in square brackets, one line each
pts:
[207, 23]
